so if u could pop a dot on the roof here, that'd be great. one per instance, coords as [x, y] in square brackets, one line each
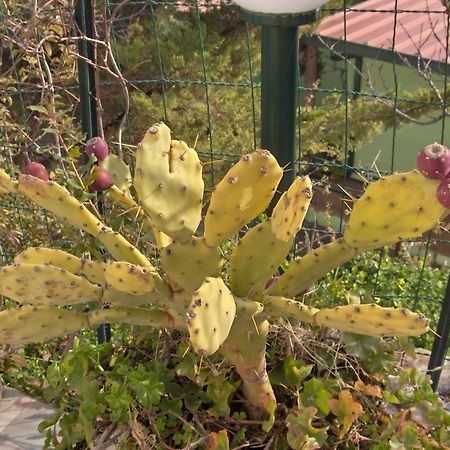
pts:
[410, 29]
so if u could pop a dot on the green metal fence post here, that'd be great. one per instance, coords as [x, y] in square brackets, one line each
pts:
[84, 16]
[279, 84]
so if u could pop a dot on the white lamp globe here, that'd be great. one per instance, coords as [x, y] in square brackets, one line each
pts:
[280, 6]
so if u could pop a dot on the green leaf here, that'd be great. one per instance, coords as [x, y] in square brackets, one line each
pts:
[302, 435]
[315, 394]
[346, 409]
[38, 108]
[219, 441]
[219, 391]
[291, 373]
[270, 406]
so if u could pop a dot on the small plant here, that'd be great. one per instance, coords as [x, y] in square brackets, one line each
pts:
[186, 288]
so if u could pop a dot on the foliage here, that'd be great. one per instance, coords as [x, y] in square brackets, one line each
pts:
[401, 281]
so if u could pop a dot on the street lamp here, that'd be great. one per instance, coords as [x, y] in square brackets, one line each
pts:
[279, 20]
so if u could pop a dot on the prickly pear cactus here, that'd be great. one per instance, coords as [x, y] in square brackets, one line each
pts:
[188, 288]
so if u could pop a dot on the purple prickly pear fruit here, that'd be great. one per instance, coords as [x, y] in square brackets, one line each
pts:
[443, 193]
[37, 170]
[433, 161]
[98, 147]
[103, 180]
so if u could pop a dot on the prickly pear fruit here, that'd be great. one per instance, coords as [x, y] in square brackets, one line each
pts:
[188, 263]
[304, 271]
[243, 194]
[33, 324]
[443, 193]
[401, 206]
[126, 277]
[98, 147]
[210, 316]
[289, 212]
[433, 161]
[168, 181]
[373, 320]
[42, 284]
[37, 170]
[103, 180]
[7, 185]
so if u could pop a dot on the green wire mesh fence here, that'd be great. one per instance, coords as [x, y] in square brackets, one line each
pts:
[373, 91]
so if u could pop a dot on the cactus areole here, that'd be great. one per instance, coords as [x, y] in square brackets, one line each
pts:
[186, 291]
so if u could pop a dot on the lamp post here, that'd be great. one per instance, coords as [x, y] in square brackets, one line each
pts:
[279, 20]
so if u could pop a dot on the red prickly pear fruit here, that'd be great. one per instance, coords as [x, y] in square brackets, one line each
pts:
[98, 147]
[37, 170]
[433, 161]
[443, 193]
[103, 180]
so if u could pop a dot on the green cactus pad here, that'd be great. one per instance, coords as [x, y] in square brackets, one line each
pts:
[57, 199]
[189, 263]
[7, 185]
[120, 249]
[119, 171]
[373, 320]
[210, 316]
[255, 259]
[168, 181]
[133, 316]
[401, 206]
[54, 257]
[243, 194]
[126, 277]
[286, 307]
[33, 324]
[290, 210]
[42, 284]
[114, 297]
[303, 272]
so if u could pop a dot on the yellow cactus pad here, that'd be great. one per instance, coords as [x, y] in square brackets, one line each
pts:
[126, 277]
[255, 259]
[126, 202]
[114, 297]
[121, 250]
[33, 324]
[7, 185]
[286, 307]
[57, 199]
[373, 320]
[210, 316]
[243, 194]
[289, 213]
[168, 181]
[189, 263]
[54, 257]
[133, 316]
[42, 284]
[401, 206]
[94, 271]
[303, 272]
